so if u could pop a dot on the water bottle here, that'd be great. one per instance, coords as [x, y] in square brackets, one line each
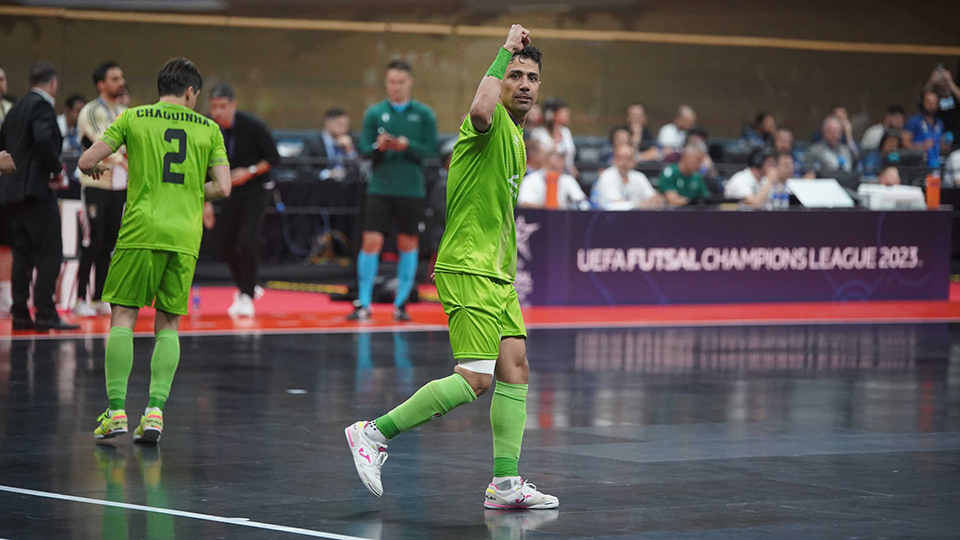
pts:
[933, 188]
[195, 300]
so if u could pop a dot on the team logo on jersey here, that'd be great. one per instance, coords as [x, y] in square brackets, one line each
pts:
[413, 118]
[516, 140]
[385, 117]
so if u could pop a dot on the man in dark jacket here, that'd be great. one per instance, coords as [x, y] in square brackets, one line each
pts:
[253, 154]
[31, 135]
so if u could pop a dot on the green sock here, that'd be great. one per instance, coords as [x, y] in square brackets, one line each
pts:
[508, 416]
[163, 365]
[117, 365]
[436, 398]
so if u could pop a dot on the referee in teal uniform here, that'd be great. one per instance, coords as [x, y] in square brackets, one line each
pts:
[398, 134]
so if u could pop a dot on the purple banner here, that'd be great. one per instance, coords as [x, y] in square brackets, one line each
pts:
[714, 256]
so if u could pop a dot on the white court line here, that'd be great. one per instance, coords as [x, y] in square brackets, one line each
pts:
[534, 326]
[231, 521]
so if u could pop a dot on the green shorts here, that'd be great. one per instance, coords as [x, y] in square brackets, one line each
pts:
[144, 277]
[481, 312]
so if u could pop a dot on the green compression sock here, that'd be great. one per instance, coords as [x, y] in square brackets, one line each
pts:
[436, 398]
[163, 365]
[117, 365]
[508, 415]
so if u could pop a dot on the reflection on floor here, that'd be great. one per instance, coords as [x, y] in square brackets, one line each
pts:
[708, 432]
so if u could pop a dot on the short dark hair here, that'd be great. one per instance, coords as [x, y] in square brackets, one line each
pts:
[779, 155]
[836, 106]
[616, 129]
[553, 104]
[896, 109]
[698, 131]
[401, 65]
[760, 116]
[532, 53]
[636, 104]
[222, 90]
[334, 112]
[73, 99]
[100, 74]
[758, 156]
[891, 134]
[176, 76]
[42, 73]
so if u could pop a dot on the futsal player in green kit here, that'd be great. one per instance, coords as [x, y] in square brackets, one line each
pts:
[475, 269]
[170, 150]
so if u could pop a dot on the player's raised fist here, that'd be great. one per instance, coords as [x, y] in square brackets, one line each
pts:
[517, 39]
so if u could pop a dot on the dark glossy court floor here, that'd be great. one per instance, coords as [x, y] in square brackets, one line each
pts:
[732, 432]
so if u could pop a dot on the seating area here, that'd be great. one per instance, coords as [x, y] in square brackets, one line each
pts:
[728, 155]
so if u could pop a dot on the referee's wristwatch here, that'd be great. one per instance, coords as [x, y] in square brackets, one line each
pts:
[252, 170]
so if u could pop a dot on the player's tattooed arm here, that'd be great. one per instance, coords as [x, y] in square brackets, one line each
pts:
[488, 94]
[89, 163]
[219, 185]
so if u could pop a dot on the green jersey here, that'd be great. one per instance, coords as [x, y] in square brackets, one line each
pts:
[399, 174]
[169, 150]
[691, 187]
[485, 173]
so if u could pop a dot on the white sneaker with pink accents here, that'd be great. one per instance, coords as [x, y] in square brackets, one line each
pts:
[514, 492]
[368, 456]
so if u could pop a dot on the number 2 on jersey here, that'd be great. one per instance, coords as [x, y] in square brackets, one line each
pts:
[174, 158]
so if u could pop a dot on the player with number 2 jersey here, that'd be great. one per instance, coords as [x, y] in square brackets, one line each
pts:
[170, 150]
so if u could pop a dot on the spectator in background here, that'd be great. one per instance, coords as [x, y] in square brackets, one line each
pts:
[555, 135]
[671, 137]
[762, 131]
[951, 175]
[777, 169]
[925, 131]
[746, 184]
[640, 136]
[941, 81]
[783, 144]
[846, 128]
[5, 104]
[620, 187]
[699, 134]
[252, 153]
[889, 152]
[534, 118]
[105, 196]
[550, 187]
[69, 127]
[830, 154]
[336, 144]
[889, 175]
[681, 182]
[123, 98]
[534, 157]
[31, 136]
[619, 136]
[893, 119]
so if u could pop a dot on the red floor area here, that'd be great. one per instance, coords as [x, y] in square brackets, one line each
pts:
[301, 312]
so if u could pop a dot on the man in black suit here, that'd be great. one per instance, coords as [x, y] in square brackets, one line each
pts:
[31, 135]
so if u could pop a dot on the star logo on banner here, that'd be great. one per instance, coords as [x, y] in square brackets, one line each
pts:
[524, 232]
